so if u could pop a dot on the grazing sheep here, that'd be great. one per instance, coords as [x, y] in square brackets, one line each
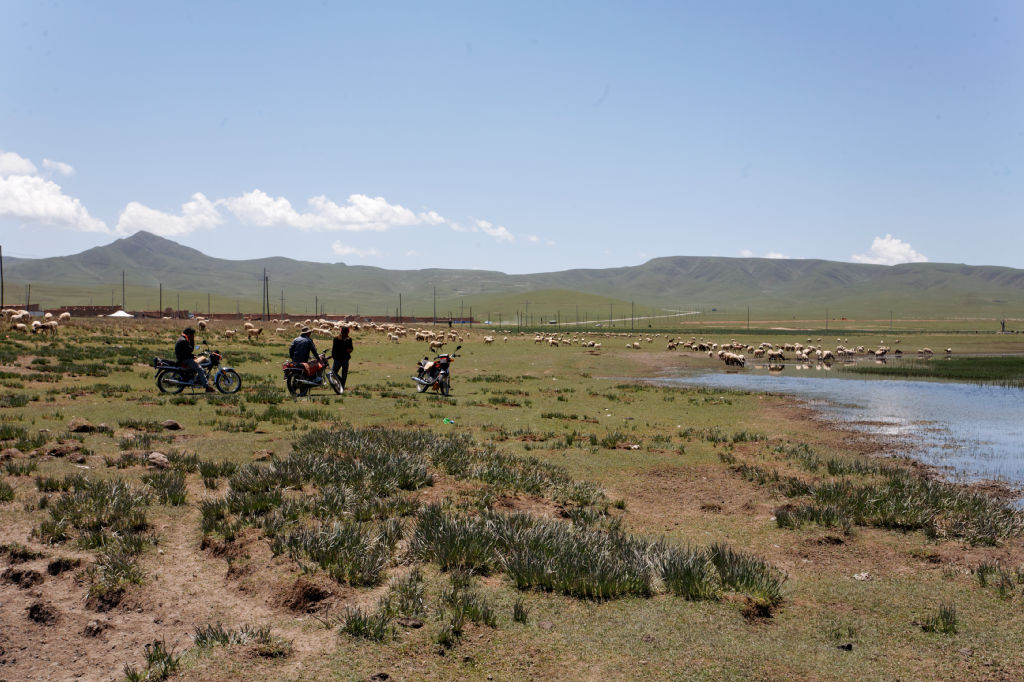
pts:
[949, 351]
[21, 327]
[229, 333]
[249, 325]
[488, 339]
[436, 345]
[253, 333]
[64, 317]
[202, 325]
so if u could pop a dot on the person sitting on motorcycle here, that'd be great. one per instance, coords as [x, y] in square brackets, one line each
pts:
[184, 349]
[421, 366]
[302, 347]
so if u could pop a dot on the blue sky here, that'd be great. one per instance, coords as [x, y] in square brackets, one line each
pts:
[522, 137]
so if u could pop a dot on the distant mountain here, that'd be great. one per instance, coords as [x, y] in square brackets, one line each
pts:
[729, 285]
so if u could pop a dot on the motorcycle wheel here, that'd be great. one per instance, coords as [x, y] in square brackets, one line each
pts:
[168, 381]
[445, 386]
[228, 381]
[335, 382]
[294, 385]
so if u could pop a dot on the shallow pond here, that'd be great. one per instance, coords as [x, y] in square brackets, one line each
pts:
[974, 431]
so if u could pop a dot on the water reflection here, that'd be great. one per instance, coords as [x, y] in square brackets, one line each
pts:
[976, 431]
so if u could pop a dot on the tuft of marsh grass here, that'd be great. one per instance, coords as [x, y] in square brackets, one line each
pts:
[376, 627]
[265, 643]
[161, 663]
[796, 516]
[6, 492]
[20, 467]
[520, 611]
[689, 573]
[944, 621]
[748, 574]
[168, 486]
[406, 595]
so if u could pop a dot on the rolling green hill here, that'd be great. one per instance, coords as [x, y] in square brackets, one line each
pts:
[722, 287]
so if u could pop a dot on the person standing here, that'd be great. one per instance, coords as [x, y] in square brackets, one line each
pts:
[341, 349]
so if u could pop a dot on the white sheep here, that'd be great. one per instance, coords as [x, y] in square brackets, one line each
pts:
[64, 317]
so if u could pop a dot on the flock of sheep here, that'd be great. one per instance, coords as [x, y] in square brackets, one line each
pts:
[775, 354]
[732, 353]
[21, 321]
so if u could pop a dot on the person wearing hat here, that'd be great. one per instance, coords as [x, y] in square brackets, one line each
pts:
[302, 347]
[184, 349]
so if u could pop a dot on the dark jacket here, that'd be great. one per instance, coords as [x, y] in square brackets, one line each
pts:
[300, 350]
[183, 349]
[341, 348]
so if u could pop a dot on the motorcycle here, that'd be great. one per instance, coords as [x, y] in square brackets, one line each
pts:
[435, 373]
[173, 378]
[301, 377]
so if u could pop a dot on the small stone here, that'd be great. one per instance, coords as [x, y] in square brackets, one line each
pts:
[10, 453]
[158, 460]
[413, 623]
[94, 628]
[261, 455]
[171, 425]
[76, 458]
[862, 576]
[80, 425]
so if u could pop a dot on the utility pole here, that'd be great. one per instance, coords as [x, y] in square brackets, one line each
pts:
[748, 319]
[632, 315]
[399, 308]
[207, 303]
[28, 295]
[826, 319]
[1, 276]
[160, 301]
[435, 305]
[282, 302]
[122, 291]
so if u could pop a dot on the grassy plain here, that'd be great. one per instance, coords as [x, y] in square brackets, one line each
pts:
[675, 474]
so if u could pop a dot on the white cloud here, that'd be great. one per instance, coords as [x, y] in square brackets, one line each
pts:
[199, 213]
[58, 167]
[360, 213]
[13, 164]
[342, 250]
[747, 253]
[888, 250]
[533, 239]
[499, 233]
[40, 200]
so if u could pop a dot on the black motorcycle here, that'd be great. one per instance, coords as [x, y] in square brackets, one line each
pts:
[435, 373]
[300, 377]
[173, 378]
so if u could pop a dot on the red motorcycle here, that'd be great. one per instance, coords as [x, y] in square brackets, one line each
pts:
[300, 377]
[435, 373]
